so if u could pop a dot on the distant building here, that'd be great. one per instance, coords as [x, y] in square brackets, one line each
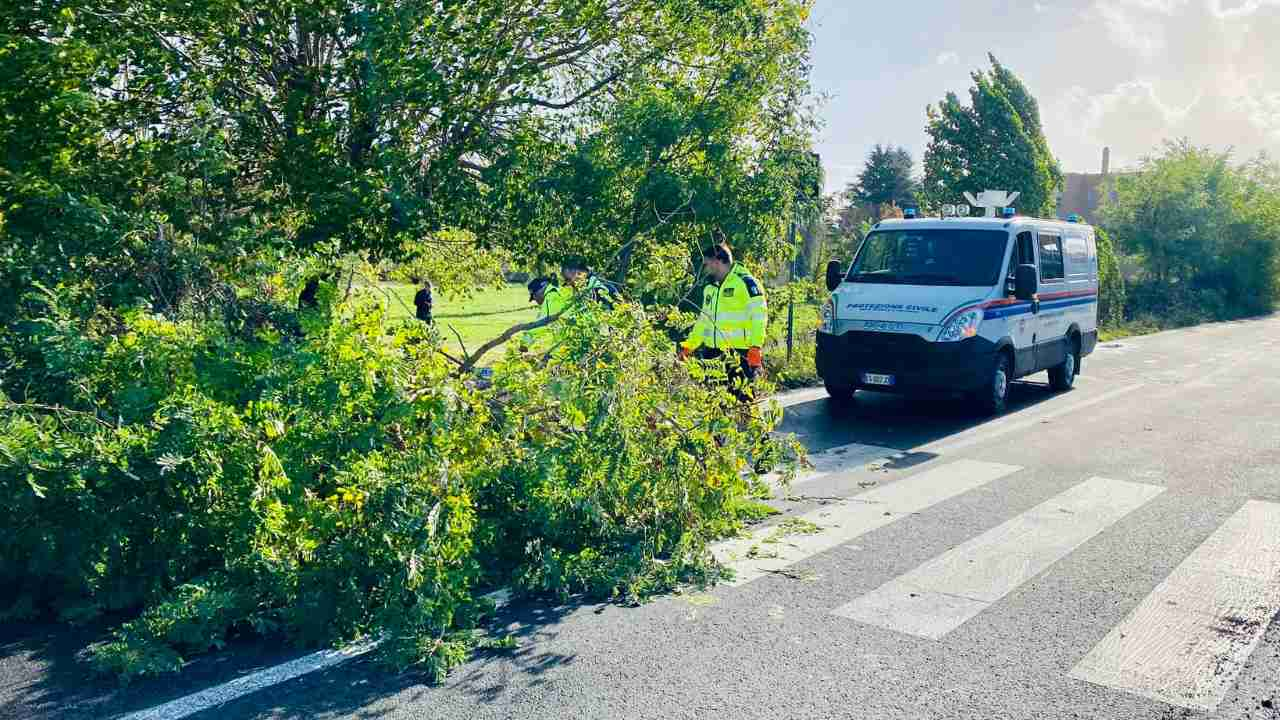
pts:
[1082, 193]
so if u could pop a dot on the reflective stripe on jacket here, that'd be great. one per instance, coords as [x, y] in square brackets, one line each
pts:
[601, 291]
[733, 314]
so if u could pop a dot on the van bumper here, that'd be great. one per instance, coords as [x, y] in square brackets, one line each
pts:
[916, 364]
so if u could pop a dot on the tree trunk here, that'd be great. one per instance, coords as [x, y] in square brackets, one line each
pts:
[624, 262]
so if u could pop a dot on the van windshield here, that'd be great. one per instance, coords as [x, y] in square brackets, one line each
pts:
[931, 257]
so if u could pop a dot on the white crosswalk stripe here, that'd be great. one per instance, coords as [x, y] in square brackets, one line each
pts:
[764, 551]
[945, 592]
[1186, 643]
[842, 458]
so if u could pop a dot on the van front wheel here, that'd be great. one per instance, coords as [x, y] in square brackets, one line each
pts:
[1063, 377]
[994, 394]
[840, 395]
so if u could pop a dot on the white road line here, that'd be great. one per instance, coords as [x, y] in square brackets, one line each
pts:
[1018, 421]
[798, 397]
[763, 552]
[944, 593]
[238, 688]
[1189, 639]
[221, 694]
[839, 459]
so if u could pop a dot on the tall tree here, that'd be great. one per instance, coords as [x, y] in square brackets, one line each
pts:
[371, 125]
[995, 143]
[886, 179]
[705, 145]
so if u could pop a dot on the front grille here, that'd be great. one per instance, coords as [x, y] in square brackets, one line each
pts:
[889, 352]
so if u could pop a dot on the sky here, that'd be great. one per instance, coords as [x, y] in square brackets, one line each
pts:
[1120, 73]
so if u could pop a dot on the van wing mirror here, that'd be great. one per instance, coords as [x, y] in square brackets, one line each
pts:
[835, 275]
[1026, 282]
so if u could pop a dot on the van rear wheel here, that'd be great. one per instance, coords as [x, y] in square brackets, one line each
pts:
[1063, 376]
[840, 395]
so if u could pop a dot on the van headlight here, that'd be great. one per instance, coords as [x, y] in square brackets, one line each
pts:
[828, 317]
[961, 326]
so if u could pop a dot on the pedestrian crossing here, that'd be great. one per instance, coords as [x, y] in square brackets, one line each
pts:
[945, 592]
[1184, 644]
[762, 553]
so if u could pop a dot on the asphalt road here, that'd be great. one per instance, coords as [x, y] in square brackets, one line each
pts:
[1112, 552]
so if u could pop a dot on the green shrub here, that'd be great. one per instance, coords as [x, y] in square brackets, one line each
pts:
[1111, 286]
[802, 368]
[1204, 233]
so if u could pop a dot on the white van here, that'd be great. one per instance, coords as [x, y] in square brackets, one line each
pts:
[961, 305]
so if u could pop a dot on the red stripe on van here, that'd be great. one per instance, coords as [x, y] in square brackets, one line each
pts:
[999, 303]
[1068, 294]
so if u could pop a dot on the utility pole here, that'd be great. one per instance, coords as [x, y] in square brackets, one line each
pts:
[791, 303]
[812, 192]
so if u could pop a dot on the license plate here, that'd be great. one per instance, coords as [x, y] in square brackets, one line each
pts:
[873, 379]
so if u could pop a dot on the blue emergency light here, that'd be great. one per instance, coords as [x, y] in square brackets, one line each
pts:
[909, 213]
[1008, 212]
[1073, 218]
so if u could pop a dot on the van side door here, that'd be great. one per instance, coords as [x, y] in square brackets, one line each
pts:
[1023, 326]
[1082, 282]
[1051, 346]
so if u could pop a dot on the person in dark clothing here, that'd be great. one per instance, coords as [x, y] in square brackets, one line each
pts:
[577, 275]
[307, 298]
[422, 301]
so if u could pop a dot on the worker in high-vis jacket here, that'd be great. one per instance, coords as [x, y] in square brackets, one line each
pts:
[732, 318]
[579, 279]
[551, 300]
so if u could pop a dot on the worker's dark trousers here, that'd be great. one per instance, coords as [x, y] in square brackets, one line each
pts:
[740, 375]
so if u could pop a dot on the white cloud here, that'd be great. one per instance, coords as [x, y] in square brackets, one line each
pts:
[1256, 109]
[1127, 25]
[1244, 9]
[1204, 70]
[1131, 118]
[948, 58]
[1134, 120]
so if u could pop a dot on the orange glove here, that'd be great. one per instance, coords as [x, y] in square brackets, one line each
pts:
[755, 358]
[682, 352]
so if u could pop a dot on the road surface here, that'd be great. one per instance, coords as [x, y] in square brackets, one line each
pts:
[1112, 552]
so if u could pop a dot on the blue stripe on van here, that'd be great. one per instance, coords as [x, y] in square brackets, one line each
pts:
[1025, 307]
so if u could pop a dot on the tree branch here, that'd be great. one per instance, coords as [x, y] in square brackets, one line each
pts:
[57, 409]
[461, 344]
[566, 104]
[506, 335]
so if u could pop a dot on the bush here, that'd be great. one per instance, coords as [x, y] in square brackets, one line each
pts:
[802, 369]
[1111, 287]
[1176, 305]
[1204, 233]
[347, 484]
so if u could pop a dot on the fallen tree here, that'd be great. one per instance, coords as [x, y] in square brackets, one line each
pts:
[348, 484]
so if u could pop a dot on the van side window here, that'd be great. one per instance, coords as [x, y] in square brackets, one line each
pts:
[1076, 248]
[1051, 267]
[1024, 253]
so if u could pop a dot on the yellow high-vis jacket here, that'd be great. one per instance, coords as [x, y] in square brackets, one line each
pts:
[733, 314]
[554, 302]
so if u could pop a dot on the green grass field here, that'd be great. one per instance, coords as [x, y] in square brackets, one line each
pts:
[485, 315]
[477, 319]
